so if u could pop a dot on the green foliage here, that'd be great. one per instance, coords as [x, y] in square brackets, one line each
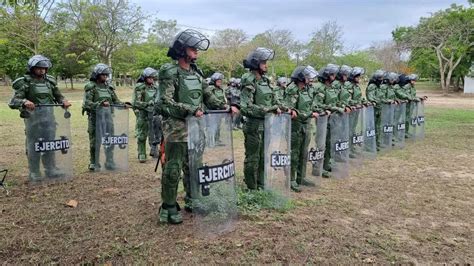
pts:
[362, 59]
[255, 200]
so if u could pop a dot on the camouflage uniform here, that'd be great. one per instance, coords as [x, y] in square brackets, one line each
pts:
[42, 90]
[148, 124]
[95, 94]
[376, 95]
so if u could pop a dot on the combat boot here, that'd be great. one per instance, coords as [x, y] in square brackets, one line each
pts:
[170, 215]
[142, 158]
[306, 182]
[153, 152]
[34, 176]
[110, 165]
[54, 173]
[295, 187]
[326, 174]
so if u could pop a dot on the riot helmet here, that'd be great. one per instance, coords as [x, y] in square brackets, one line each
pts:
[215, 77]
[100, 69]
[344, 70]
[38, 61]
[356, 71]
[258, 56]
[301, 73]
[187, 38]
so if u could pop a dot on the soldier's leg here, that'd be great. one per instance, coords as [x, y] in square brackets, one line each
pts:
[48, 158]
[353, 118]
[91, 129]
[408, 120]
[378, 127]
[252, 154]
[327, 153]
[175, 156]
[109, 151]
[301, 170]
[261, 158]
[141, 131]
[296, 142]
[33, 157]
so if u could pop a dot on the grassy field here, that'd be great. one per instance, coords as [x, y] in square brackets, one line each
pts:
[407, 206]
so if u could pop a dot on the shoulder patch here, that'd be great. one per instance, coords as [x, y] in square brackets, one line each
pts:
[89, 86]
[247, 79]
[168, 71]
[19, 83]
[51, 79]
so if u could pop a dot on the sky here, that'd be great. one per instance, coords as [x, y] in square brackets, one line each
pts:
[364, 21]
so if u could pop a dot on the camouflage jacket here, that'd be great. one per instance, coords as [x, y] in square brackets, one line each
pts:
[89, 105]
[247, 100]
[173, 111]
[22, 91]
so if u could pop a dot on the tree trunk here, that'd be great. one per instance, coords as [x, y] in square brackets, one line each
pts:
[72, 84]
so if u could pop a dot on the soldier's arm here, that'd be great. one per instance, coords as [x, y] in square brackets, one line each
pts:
[19, 96]
[247, 105]
[89, 104]
[211, 101]
[169, 106]
[114, 96]
[401, 94]
[137, 99]
[371, 95]
[58, 97]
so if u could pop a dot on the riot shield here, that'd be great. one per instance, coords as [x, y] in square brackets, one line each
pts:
[420, 119]
[386, 127]
[317, 128]
[399, 122]
[48, 140]
[339, 124]
[277, 149]
[212, 173]
[111, 138]
[312, 156]
[413, 120]
[356, 133]
[370, 143]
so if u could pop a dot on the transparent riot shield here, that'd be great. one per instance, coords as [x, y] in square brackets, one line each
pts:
[111, 138]
[317, 145]
[399, 123]
[277, 149]
[48, 141]
[386, 127]
[212, 173]
[339, 124]
[356, 134]
[313, 155]
[420, 119]
[370, 143]
[412, 115]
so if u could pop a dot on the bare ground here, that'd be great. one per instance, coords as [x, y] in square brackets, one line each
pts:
[408, 206]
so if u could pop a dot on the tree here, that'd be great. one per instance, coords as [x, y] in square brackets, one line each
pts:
[365, 59]
[325, 44]
[228, 48]
[163, 32]
[389, 55]
[25, 23]
[104, 25]
[282, 42]
[447, 33]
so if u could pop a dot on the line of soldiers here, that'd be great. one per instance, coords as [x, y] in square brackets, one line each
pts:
[182, 91]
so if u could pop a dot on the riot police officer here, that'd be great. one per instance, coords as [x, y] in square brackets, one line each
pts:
[181, 87]
[98, 92]
[257, 99]
[34, 88]
[376, 96]
[143, 100]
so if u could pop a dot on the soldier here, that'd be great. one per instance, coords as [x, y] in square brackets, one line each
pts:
[98, 92]
[343, 85]
[327, 75]
[215, 95]
[234, 92]
[356, 100]
[280, 88]
[298, 97]
[387, 87]
[257, 100]
[181, 95]
[408, 89]
[144, 95]
[37, 87]
[376, 96]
